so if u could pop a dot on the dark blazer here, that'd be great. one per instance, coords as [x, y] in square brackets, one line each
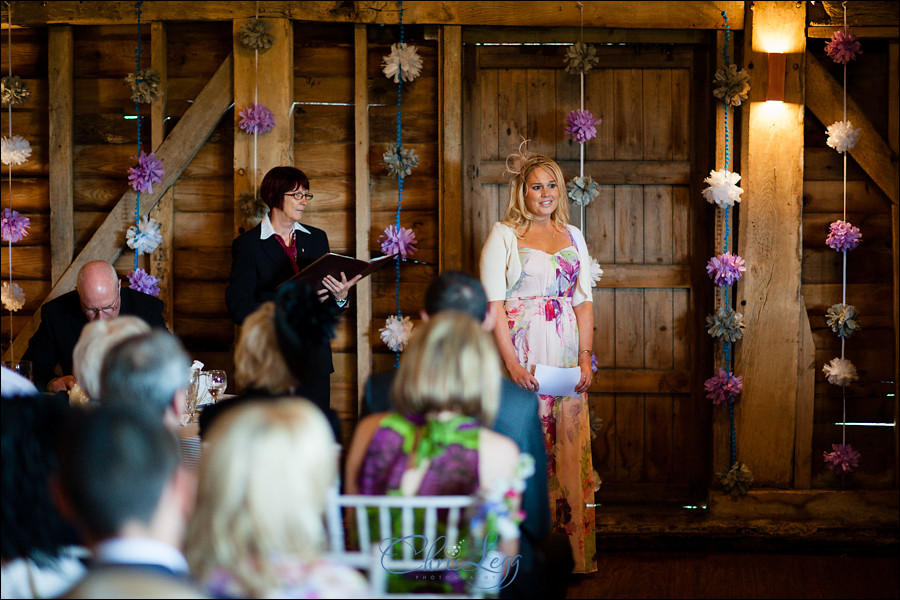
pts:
[61, 323]
[517, 418]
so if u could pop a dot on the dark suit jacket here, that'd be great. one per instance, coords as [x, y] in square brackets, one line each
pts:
[61, 323]
[517, 418]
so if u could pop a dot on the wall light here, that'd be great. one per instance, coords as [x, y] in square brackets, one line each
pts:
[775, 88]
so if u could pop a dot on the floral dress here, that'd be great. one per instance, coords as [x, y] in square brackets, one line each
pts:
[544, 331]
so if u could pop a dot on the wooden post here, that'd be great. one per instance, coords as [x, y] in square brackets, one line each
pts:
[60, 75]
[451, 182]
[769, 241]
[363, 212]
[894, 143]
[161, 265]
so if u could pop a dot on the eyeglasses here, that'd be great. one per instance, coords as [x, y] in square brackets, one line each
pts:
[105, 310]
[298, 195]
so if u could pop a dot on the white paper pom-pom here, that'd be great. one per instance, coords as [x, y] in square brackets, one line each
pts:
[13, 296]
[840, 371]
[842, 136]
[596, 272]
[396, 332]
[403, 63]
[145, 237]
[14, 150]
[723, 189]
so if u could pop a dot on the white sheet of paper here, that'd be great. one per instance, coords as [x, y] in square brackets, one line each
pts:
[557, 381]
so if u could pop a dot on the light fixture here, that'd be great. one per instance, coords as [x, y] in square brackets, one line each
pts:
[775, 88]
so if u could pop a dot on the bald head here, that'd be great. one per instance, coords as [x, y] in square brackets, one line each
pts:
[98, 287]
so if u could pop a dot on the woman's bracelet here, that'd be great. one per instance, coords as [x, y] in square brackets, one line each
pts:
[588, 351]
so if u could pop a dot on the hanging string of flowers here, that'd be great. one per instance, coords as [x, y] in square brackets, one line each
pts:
[725, 269]
[842, 237]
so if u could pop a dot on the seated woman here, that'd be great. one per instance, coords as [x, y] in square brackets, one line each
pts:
[437, 442]
[257, 531]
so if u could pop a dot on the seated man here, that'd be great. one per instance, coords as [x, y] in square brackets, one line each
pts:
[121, 485]
[98, 294]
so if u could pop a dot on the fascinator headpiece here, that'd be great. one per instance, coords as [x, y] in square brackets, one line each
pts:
[515, 162]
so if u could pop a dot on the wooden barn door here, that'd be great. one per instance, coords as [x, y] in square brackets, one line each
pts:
[647, 229]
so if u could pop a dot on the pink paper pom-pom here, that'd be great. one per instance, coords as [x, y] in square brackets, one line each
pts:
[13, 225]
[843, 47]
[581, 125]
[141, 281]
[256, 118]
[725, 269]
[398, 241]
[842, 459]
[148, 172]
[843, 236]
[723, 387]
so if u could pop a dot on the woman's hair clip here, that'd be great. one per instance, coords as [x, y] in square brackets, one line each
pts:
[518, 159]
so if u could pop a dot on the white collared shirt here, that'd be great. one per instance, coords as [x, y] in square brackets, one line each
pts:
[266, 230]
[140, 550]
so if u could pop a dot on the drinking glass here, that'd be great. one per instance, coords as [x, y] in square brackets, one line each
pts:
[22, 367]
[218, 381]
[192, 397]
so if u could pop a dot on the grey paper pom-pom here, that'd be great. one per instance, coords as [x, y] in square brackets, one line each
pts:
[582, 190]
[843, 319]
[254, 34]
[726, 325]
[144, 85]
[401, 163]
[13, 91]
[580, 58]
[736, 480]
[732, 86]
[252, 206]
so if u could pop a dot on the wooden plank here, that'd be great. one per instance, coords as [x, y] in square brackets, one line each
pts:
[363, 218]
[599, 94]
[869, 299]
[894, 141]
[629, 456]
[595, 35]
[658, 329]
[608, 172]
[645, 276]
[659, 238]
[647, 15]
[511, 89]
[629, 224]
[450, 134]
[826, 31]
[629, 328]
[629, 115]
[59, 81]
[658, 445]
[806, 375]
[639, 381]
[540, 103]
[176, 152]
[825, 99]
[604, 329]
[657, 114]
[770, 245]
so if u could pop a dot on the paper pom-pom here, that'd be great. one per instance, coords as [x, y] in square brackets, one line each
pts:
[403, 63]
[396, 332]
[736, 480]
[14, 150]
[400, 161]
[141, 281]
[581, 126]
[843, 459]
[843, 236]
[595, 364]
[144, 237]
[252, 206]
[148, 172]
[582, 190]
[840, 371]
[723, 189]
[843, 47]
[580, 58]
[13, 91]
[723, 387]
[255, 35]
[400, 241]
[725, 269]
[13, 296]
[144, 86]
[843, 319]
[256, 118]
[596, 272]
[732, 86]
[842, 136]
[726, 325]
[13, 225]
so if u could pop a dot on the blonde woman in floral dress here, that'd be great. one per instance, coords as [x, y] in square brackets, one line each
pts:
[536, 267]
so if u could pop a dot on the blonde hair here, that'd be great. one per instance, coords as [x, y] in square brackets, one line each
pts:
[263, 484]
[95, 341]
[451, 364]
[517, 214]
[258, 361]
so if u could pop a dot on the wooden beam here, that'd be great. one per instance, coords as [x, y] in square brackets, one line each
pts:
[894, 141]
[645, 15]
[60, 80]
[161, 265]
[609, 172]
[363, 208]
[451, 181]
[870, 33]
[180, 147]
[769, 241]
[806, 393]
[825, 98]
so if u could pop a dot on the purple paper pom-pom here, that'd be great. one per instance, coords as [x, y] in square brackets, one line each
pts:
[13, 225]
[723, 387]
[843, 236]
[725, 269]
[141, 281]
[581, 125]
[843, 47]
[843, 459]
[148, 172]
[256, 118]
[398, 241]
[595, 364]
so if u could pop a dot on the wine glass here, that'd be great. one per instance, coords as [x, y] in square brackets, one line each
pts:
[192, 398]
[218, 381]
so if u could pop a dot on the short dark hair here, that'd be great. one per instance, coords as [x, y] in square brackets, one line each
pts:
[114, 463]
[145, 371]
[457, 291]
[278, 182]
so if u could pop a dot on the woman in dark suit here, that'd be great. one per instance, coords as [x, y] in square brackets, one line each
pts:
[272, 252]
